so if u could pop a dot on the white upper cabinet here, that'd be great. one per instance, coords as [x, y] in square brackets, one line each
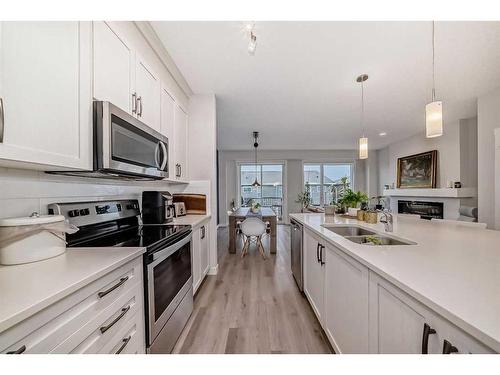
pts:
[148, 89]
[167, 127]
[45, 94]
[181, 145]
[346, 302]
[114, 68]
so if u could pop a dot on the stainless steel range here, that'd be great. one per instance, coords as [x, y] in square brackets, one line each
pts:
[167, 262]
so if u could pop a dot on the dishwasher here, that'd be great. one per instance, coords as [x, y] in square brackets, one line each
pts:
[296, 256]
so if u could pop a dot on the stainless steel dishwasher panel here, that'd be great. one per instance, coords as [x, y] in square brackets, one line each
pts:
[296, 253]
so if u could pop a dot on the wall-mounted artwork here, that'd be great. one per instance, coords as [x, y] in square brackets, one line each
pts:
[417, 171]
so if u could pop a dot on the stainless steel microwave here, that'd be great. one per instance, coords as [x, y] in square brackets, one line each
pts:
[124, 147]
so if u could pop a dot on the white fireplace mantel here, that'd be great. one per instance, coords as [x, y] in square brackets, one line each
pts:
[432, 193]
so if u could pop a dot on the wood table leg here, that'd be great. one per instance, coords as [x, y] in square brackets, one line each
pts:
[274, 228]
[232, 234]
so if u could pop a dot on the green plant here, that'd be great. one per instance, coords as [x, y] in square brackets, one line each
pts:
[256, 205]
[304, 198]
[353, 199]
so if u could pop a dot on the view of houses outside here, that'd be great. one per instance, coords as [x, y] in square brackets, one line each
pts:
[270, 193]
[331, 173]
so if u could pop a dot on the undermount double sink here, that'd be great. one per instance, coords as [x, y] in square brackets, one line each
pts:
[364, 236]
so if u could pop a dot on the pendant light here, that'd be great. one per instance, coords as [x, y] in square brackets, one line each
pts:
[434, 109]
[255, 145]
[363, 141]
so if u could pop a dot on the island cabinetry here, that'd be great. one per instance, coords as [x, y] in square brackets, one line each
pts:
[314, 273]
[401, 324]
[346, 302]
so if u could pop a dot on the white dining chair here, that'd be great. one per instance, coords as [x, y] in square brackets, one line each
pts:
[253, 229]
[469, 224]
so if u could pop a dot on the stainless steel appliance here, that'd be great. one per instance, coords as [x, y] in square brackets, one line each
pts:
[180, 209]
[297, 253]
[157, 207]
[124, 147]
[167, 262]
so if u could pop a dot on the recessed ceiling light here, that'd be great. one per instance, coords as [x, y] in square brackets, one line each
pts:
[383, 134]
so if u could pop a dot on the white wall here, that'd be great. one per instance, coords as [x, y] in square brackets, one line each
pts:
[488, 119]
[448, 146]
[294, 159]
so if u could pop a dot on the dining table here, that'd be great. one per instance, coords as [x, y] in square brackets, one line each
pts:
[267, 215]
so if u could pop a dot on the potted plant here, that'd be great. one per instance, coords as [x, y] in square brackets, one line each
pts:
[304, 198]
[352, 200]
[255, 207]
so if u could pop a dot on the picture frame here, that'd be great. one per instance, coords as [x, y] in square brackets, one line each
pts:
[417, 171]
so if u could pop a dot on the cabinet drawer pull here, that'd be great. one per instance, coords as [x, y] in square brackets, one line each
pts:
[21, 350]
[317, 253]
[139, 106]
[321, 255]
[134, 103]
[425, 337]
[448, 348]
[125, 342]
[122, 314]
[120, 283]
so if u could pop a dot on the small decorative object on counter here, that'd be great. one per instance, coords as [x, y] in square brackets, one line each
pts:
[371, 217]
[33, 238]
[255, 208]
[330, 209]
[361, 215]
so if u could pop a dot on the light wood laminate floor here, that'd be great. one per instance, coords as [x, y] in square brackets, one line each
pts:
[252, 306]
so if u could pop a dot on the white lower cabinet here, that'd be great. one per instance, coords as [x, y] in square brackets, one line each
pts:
[200, 256]
[346, 302]
[314, 275]
[401, 324]
[98, 318]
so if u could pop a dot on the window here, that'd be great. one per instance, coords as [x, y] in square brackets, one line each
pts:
[270, 193]
[325, 181]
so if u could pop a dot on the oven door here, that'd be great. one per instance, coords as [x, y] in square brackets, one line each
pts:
[126, 145]
[168, 280]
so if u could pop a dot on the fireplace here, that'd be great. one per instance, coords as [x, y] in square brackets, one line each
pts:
[426, 210]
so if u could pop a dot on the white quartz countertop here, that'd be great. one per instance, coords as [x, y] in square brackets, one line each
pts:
[192, 220]
[26, 289]
[454, 270]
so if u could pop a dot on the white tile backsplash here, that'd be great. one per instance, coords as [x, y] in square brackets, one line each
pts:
[24, 191]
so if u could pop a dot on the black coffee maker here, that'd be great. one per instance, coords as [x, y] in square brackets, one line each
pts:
[157, 207]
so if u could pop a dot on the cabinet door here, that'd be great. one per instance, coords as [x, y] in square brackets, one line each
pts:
[180, 147]
[113, 68]
[45, 92]
[396, 323]
[148, 88]
[205, 247]
[314, 275]
[167, 127]
[196, 259]
[346, 302]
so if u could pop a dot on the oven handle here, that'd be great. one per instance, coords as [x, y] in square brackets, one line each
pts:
[165, 253]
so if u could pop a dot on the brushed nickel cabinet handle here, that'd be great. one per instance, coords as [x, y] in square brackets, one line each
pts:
[134, 102]
[120, 283]
[125, 342]
[139, 109]
[2, 121]
[21, 350]
[122, 314]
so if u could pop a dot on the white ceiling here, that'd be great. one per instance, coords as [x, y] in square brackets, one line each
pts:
[299, 89]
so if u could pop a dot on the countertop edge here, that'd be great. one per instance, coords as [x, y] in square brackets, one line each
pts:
[450, 316]
[52, 299]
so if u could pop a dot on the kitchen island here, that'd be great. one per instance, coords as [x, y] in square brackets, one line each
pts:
[450, 272]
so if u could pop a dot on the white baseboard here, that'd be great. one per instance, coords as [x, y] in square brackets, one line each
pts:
[213, 270]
